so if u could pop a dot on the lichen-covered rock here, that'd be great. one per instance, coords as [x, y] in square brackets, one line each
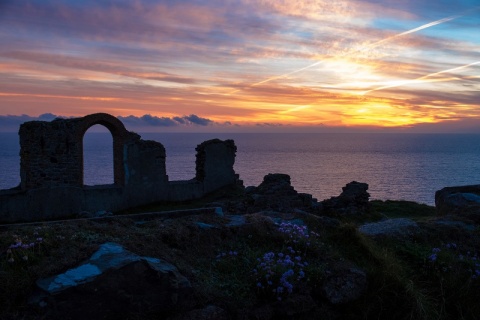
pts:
[344, 285]
[354, 199]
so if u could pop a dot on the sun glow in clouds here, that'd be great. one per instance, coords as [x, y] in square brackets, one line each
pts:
[422, 79]
[296, 63]
[365, 48]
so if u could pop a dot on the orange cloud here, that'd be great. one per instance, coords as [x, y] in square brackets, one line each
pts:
[298, 63]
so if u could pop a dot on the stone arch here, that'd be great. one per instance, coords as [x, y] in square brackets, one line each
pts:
[119, 136]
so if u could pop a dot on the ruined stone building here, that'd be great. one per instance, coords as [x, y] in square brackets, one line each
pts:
[51, 171]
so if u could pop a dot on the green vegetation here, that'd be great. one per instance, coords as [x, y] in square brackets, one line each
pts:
[403, 209]
[432, 274]
[232, 192]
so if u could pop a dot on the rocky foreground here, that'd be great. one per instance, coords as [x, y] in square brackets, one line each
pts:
[265, 252]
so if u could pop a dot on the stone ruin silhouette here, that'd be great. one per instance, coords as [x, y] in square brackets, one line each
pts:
[51, 171]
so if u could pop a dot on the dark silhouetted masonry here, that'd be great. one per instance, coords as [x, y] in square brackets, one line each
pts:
[51, 171]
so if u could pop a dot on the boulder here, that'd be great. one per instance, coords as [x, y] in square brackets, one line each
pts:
[354, 199]
[344, 285]
[463, 200]
[390, 227]
[112, 284]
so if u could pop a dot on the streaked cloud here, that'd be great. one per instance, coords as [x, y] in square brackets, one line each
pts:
[247, 62]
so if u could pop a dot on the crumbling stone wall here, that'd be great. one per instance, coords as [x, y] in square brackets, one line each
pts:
[214, 163]
[51, 171]
[144, 163]
[51, 153]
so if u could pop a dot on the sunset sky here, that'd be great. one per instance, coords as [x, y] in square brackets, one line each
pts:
[411, 65]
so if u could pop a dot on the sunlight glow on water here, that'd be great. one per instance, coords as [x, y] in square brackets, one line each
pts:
[396, 166]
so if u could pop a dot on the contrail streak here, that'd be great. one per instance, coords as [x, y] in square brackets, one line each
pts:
[425, 26]
[371, 46]
[421, 78]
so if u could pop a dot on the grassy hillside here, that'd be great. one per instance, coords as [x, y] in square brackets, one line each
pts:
[432, 273]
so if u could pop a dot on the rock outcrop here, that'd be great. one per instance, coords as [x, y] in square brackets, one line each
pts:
[463, 201]
[353, 200]
[276, 193]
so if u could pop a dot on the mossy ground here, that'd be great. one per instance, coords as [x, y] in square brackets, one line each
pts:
[404, 280]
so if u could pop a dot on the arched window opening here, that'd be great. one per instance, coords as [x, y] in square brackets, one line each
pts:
[97, 156]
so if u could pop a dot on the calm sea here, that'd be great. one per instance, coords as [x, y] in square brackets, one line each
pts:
[396, 166]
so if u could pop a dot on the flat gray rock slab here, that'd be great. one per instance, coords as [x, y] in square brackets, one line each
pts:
[388, 227]
[114, 284]
[109, 256]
